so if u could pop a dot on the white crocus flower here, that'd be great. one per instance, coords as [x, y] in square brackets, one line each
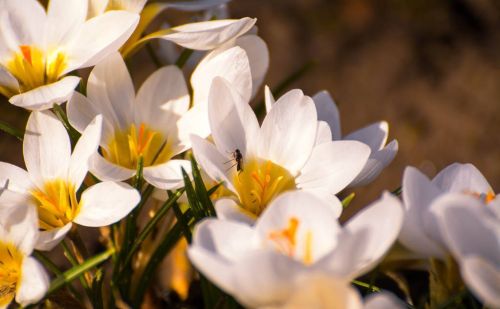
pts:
[38, 48]
[297, 235]
[471, 231]
[258, 163]
[421, 232]
[54, 176]
[21, 276]
[374, 135]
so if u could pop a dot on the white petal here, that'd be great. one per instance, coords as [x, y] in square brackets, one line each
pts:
[368, 236]
[194, 122]
[258, 57]
[7, 80]
[84, 149]
[14, 178]
[100, 36]
[289, 131]
[374, 135]
[209, 34]
[25, 23]
[232, 120]
[211, 161]
[46, 148]
[333, 165]
[228, 209]
[328, 197]
[483, 279]
[418, 194]
[162, 99]
[376, 163]
[198, 5]
[167, 176]
[269, 99]
[462, 178]
[107, 171]
[21, 225]
[231, 64]
[327, 111]
[44, 97]
[314, 217]
[383, 300]
[323, 134]
[106, 203]
[111, 91]
[34, 282]
[47, 240]
[64, 17]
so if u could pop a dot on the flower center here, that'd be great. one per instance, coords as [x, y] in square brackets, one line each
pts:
[127, 146]
[33, 68]
[56, 203]
[259, 181]
[285, 241]
[10, 271]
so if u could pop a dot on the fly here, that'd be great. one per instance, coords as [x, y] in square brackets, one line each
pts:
[238, 158]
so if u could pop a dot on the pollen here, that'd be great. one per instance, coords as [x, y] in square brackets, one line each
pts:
[126, 147]
[34, 68]
[484, 197]
[259, 182]
[11, 260]
[285, 241]
[57, 204]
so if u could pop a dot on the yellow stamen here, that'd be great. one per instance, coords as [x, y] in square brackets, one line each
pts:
[259, 182]
[11, 261]
[57, 204]
[308, 258]
[127, 146]
[33, 68]
[285, 240]
[484, 197]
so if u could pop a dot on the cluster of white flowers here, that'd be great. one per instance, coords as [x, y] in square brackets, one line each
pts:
[276, 241]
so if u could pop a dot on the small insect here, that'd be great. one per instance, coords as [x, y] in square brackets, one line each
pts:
[238, 158]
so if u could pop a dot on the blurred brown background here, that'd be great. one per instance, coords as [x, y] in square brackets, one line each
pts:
[430, 68]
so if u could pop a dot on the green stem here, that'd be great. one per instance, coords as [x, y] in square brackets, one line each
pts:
[12, 131]
[368, 286]
[183, 58]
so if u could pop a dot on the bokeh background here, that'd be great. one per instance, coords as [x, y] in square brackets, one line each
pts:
[430, 68]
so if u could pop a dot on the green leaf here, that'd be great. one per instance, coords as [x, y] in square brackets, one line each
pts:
[183, 58]
[348, 199]
[61, 114]
[170, 240]
[78, 270]
[193, 200]
[201, 191]
[7, 128]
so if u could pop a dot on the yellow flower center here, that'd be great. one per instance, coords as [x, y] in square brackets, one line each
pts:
[10, 271]
[126, 147]
[33, 68]
[56, 203]
[260, 181]
[285, 241]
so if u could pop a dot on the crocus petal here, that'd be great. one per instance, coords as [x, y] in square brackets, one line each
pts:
[7, 80]
[418, 194]
[211, 160]
[44, 97]
[461, 178]
[21, 225]
[64, 17]
[47, 240]
[383, 300]
[289, 131]
[162, 98]
[367, 237]
[111, 90]
[269, 99]
[194, 122]
[258, 57]
[25, 22]
[106, 203]
[232, 120]
[333, 165]
[46, 148]
[324, 134]
[100, 36]
[84, 149]
[167, 176]
[209, 34]
[231, 64]
[327, 111]
[374, 135]
[376, 163]
[228, 209]
[107, 171]
[34, 282]
[483, 278]
[14, 178]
